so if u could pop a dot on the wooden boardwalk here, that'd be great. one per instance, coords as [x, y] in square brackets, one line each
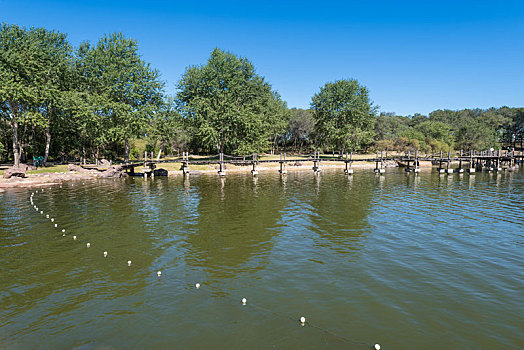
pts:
[446, 163]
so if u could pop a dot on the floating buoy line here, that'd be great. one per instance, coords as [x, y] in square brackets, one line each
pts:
[302, 320]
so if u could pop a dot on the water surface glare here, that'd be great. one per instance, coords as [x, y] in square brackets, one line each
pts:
[428, 261]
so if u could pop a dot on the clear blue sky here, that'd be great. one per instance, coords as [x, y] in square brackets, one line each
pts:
[414, 56]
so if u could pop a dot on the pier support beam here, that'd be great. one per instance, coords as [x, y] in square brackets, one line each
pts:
[185, 163]
[282, 164]
[348, 170]
[221, 171]
[378, 170]
[254, 171]
[316, 163]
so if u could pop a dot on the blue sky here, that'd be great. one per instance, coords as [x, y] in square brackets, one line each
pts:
[414, 56]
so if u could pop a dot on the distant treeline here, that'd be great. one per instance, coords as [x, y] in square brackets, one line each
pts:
[104, 101]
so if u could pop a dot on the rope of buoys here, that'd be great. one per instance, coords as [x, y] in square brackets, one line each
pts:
[302, 320]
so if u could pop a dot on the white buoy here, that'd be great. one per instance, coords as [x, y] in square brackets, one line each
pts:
[159, 273]
[56, 225]
[63, 234]
[105, 254]
[244, 301]
[74, 238]
[377, 346]
[63, 230]
[52, 219]
[129, 263]
[47, 216]
[302, 320]
[88, 245]
[197, 285]
[41, 211]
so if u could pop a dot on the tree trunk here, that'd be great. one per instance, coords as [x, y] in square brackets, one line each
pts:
[126, 157]
[16, 142]
[47, 143]
[160, 150]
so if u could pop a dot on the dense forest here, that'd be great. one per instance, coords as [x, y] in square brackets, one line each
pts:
[103, 100]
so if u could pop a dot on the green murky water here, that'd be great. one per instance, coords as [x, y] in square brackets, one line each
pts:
[425, 261]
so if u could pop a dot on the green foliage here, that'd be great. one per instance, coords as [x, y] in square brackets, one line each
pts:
[166, 131]
[123, 90]
[138, 147]
[301, 127]
[93, 101]
[227, 107]
[344, 115]
[388, 126]
[34, 67]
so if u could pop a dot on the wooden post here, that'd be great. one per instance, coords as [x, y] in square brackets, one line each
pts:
[221, 172]
[254, 172]
[348, 170]
[185, 163]
[283, 164]
[471, 169]
[316, 160]
[417, 169]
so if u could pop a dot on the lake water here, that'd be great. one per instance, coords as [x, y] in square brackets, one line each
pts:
[422, 262]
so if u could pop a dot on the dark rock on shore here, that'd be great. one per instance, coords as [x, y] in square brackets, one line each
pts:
[16, 172]
[113, 171]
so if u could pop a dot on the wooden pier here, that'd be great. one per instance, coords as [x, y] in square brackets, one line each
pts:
[449, 163]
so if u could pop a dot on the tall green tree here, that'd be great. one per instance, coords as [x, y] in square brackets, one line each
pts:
[227, 106]
[124, 90]
[344, 115]
[33, 69]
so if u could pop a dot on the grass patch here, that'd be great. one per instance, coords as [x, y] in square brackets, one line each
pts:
[49, 169]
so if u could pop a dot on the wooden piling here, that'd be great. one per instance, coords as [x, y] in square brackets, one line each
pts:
[348, 170]
[283, 164]
[254, 162]
[221, 172]
[316, 162]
